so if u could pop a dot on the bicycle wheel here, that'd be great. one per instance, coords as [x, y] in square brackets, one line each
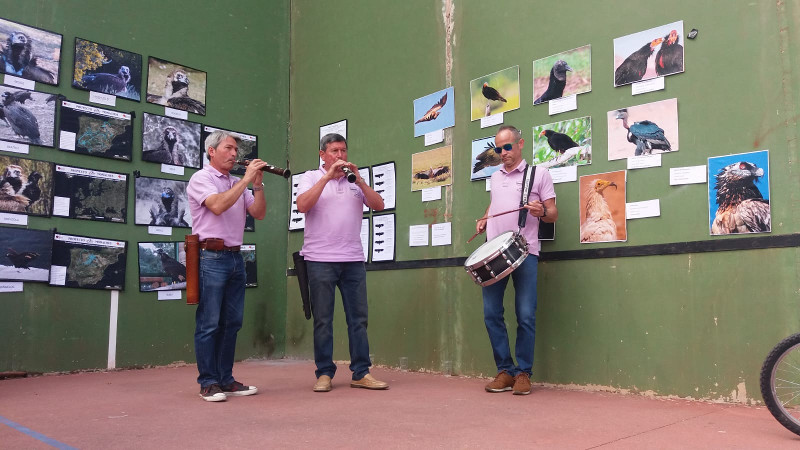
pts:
[780, 382]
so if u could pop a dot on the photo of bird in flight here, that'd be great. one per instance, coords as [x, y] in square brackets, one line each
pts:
[434, 112]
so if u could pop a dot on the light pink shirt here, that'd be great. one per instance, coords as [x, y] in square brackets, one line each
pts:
[228, 226]
[333, 224]
[506, 193]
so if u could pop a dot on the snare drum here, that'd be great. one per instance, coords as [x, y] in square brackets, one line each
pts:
[494, 260]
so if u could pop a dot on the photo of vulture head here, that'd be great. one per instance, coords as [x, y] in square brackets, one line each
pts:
[741, 208]
[25, 186]
[176, 86]
[12, 182]
[434, 111]
[635, 65]
[598, 224]
[17, 58]
[557, 83]
[646, 135]
[109, 83]
[176, 93]
[172, 267]
[20, 118]
[21, 260]
[669, 58]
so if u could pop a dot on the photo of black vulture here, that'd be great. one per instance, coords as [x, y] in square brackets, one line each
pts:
[94, 131]
[25, 254]
[26, 186]
[176, 86]
[27, 117]
[106, 69]
[248, 147]
[88, 262]
[248, 252]
[669, 58]
[162, 266]
[556, 83]
[171, 141]
[645, 129]
[29, 52]
[739, 198]
[90, 194]
[161, 202]
[648, 54]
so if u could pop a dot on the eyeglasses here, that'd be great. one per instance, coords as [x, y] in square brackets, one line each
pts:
[506, 147]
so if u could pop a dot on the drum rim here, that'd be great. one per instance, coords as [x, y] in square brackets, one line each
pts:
[495, 253]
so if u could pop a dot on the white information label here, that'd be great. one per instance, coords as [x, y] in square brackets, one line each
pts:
[10, 286]
[563, 104]
[14, 147]
[430, 194]
[61, 206]
[654, 84]
[13, 219]
[564, 174]
[365, 237]
[58, 275]
[339, 127]
[418, 235]
[11, 80]
[434, 137]
[169, 295]
[174, 170]
[66, 140]
[176, 113]
[441, 234]
[640, 210]
[496, 119]
[488, 185]
[687, 175]
[164, 231]
[644, 161]
[103, 99]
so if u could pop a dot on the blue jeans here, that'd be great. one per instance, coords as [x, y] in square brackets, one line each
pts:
[219, 315]
[351, 278]
[525, 305]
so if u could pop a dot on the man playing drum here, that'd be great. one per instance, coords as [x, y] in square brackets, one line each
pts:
[541, 205]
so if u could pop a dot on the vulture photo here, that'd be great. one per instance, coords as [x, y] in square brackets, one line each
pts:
[492, 94]
[177, 93]
[669, 58]
[635, 65]
[108, 83]
[742, 208]
[20, 118]
[646, 135]
[17, 59]
[598, 225]
[12, 183]
[433, 113]
[558, 80]
[172, 267]
[487, 158]
[433, 172]
[21, 260]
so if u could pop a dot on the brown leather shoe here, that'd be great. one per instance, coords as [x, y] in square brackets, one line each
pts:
[368, 383]
[522, 384]
[502, 382]
[323, 384]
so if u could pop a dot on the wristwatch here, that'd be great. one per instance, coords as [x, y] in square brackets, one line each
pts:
[258, 187]
[544, 210]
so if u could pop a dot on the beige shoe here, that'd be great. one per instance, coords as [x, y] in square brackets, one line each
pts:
[368, 383]
[323, 384]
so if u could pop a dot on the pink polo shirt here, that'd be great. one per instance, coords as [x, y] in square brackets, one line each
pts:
[506, 193]
[229, 225]
[333, 225]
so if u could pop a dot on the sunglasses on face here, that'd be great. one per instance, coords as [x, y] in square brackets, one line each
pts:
[506, 147]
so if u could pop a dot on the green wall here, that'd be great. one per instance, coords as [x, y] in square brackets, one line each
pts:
[244, 47]
[693, 325]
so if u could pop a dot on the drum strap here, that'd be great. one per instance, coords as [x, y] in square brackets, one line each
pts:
[527, 184]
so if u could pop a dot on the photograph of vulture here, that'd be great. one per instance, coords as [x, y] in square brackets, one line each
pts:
[162, 266]
[97, 131]
[90, 263]
[485, 161]
[176, 86]
[161, 202]
[248, 147]
[26, 254]
[248, 252]
[563, 74]
[26, 186]
[434, 112]
[643, 129]
[171, 141]
[106, 69]
[602, 209]
[26, 117]
[432, 168]
[738, 194]
[494, 93]
[563, 144]
[634, 58]
[30, 53]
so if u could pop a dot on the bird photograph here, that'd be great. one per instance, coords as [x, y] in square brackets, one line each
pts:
[645, 129]
[563, 144]
[26, 254]
[27, 117]
[637, 55]
[171, 141]
[494, 93]
[431, 168]
[29, 53]
[602, 207]
[26, 186]
[250, 266]
[106, 69]
[434, 112]
[739, 193]
[176, 86]
[162, 266]
[485, 161]
[563, 74]
[161, 202]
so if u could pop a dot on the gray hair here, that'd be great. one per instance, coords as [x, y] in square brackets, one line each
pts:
[514, 131]
[330, 138]
[214, 139]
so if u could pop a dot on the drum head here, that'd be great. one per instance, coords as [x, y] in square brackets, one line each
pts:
[486, 250]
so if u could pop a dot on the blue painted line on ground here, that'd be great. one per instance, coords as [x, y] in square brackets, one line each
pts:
[35, 435]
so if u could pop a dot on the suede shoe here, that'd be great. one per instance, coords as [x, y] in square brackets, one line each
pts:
[212, 393]
[323, 384]
[368, 383]
[522, 384]
[502, 382]
[239, 389]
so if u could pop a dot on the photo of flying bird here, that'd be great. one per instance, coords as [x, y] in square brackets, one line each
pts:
[669, 58]
[598, 224]
[20, 118]
[558, 81]
[635, 65]
[492, 94]
[108, 83]
[646, 135]
[741, 206]
[21, 260]
[487, 158]
[434, 111]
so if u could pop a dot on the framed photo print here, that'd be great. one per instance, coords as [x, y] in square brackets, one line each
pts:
[29, 52]
[176, 86]
[170, 141]
[161, 202]
[29, 117]
[106, 69]
[95, 131]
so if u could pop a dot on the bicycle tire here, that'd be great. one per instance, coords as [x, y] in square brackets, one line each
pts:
[780, 383]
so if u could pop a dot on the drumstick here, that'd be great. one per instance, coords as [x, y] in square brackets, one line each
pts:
[474, 236]
[500, 214]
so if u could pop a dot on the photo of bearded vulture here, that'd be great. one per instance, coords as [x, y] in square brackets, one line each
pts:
[742, 208]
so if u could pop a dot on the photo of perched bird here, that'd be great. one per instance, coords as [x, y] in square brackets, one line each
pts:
[20, 118]
[172, 267]
[21, 260]
[598, 224]
[646, 135]
[635, 65]
[109, 83]
[176, 90]
[558, 81]
[559, 142]
[669, 58]
[17, 59]
[434, 111]
[741, 207]
[492, 94]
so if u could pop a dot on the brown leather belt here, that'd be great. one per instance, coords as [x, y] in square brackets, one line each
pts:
[217, 245]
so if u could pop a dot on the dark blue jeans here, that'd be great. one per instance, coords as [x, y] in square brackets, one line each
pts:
[351, 279]
[525, 305]
[219, 315]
